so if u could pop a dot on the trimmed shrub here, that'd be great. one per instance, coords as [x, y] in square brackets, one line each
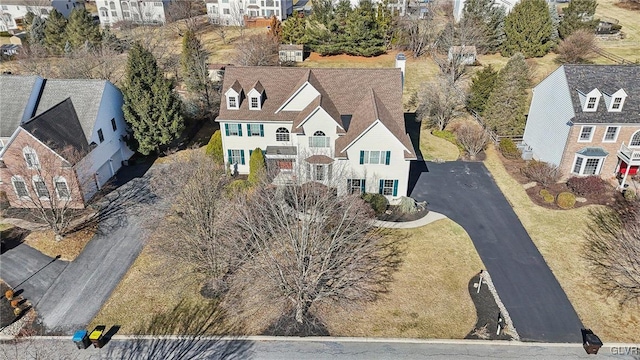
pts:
[378, 202]
[566, 200]
[541, 172]
[547, 196]
[407, 205]
[214, 148]
[586, 186]
[15, 303]
[8, 294]
[509, 149]
[257, 166]
[238, 186]
[629, 194]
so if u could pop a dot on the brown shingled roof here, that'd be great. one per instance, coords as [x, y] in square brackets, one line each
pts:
[341, 93]
[319, 159]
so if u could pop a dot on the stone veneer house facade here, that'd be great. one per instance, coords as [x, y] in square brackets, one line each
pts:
[586, 120]
[339, 126]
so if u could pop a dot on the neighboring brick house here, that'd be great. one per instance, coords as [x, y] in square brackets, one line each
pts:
[319, 124]
[79, 121]
[586, 120]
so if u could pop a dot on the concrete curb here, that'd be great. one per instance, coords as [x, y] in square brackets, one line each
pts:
[427, 219]
[259, 338]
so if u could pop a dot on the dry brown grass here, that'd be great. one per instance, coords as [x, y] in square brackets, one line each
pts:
[154, 284]
[629, 47]
[435, 148]
[558, 234]
[68, 248]
[4, 227]
[429, 297]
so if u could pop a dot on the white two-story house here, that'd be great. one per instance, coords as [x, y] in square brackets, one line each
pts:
[136, 11]
[586, 120]
[12, 12]
[332, 126]
[233, 12]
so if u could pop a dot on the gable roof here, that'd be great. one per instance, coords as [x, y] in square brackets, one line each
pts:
[341, 93]
[15, 92]
[60, 129]
[370, 110]
[607, 79]
[85, 94]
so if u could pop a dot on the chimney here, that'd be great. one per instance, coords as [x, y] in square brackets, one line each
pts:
[400, 64]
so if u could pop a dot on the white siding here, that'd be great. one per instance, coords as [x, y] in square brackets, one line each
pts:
[551, 110]
[379, 138]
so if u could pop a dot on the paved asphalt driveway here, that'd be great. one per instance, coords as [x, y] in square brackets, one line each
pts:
[466, 193]
[68, 295]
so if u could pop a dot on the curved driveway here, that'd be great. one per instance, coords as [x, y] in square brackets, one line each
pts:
[466, 193]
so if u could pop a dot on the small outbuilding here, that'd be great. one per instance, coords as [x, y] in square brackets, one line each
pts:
[464, 55]
[291, 53]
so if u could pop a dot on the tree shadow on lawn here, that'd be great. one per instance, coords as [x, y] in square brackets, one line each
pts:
[286, 325]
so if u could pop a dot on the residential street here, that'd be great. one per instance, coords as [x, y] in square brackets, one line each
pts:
[306, 348]
[67, 297]
[466, 193]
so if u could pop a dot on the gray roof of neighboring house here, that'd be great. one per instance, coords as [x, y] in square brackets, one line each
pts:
[85, 94]
[15, 92]
[608, 79]
[59, 128]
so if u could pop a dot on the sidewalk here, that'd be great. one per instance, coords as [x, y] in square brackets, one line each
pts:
[427, 219]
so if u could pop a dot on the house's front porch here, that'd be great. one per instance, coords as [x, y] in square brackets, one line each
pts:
[628, 165]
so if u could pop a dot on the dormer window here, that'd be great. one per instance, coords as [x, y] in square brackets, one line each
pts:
[256, 96]
[590, 101]
[234, 95]
[617, 101]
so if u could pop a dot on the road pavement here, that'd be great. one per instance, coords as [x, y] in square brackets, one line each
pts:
[466, 193]
[264, 348]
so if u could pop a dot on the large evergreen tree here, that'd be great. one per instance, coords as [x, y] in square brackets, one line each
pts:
[151, 107]
[36, 31]
[578, 15]
[489, 19]
[81, 29]
[482, 85]
[294, 29]
[507, 105]
[528, 29]
[323, 11]
[194, 68]
[55, 36]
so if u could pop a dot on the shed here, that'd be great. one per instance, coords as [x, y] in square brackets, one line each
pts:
[291, 53]
[464, 55]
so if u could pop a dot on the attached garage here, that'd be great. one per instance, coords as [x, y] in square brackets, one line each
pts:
[103, 174]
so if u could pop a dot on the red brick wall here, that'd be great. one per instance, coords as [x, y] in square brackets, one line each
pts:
[51, 166]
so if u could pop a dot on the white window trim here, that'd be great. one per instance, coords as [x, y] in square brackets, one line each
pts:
[595, 93]
[257, 99]
[619, 109]
[21, 179]
[288, 134]
[593, 130]
[58, 179]
[31, 151]
[631, 139]
[35, 188]
[229, 102]
[584, 164]
[604, 137]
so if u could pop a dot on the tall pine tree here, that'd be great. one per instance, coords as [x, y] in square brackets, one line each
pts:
[151, 107]
[294, 29]
[81, 29]
[578, 15]
[489, 19]
[193, 61]
[482, 84]
[36, 31]
[55, 37]
[507, 105]
[528, 29]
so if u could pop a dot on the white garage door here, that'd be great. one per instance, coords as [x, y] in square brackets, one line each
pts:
[116, 160]
[103, 174]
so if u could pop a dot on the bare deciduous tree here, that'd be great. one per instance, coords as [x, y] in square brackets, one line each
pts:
[258, 50]
[472, 137]
[613, 249]
[45, 183]
[306, 246]
[439, 102]
[451, 63]
[190, 12]
[200, 215]
[577, 48]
